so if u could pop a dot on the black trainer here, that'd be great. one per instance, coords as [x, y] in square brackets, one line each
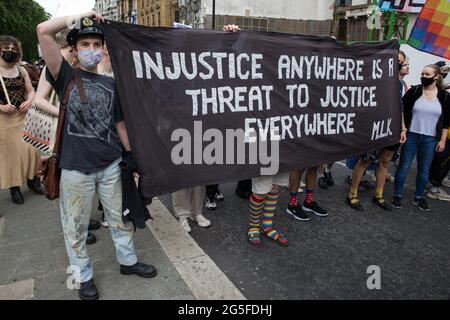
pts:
[354, 203]
[397, 202]
[381, 203]
[88, 291]
[297, 213]
[421, 203]
[314, 208]
[93, 225]
[140, 269]
[322, 183]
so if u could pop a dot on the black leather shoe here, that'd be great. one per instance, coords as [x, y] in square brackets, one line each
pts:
[16, 195]
[35, 185]
[88, 291]
[91, 238]
[93, 225]
[382, 204]
[141, 269]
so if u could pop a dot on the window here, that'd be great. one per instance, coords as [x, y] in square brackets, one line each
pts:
[159, 18]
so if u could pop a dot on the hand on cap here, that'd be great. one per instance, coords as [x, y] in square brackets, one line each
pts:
[97, 17]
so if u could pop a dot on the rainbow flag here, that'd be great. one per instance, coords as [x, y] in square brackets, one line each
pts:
[431, 33]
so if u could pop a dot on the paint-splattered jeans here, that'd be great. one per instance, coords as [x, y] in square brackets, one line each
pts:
[76, 196]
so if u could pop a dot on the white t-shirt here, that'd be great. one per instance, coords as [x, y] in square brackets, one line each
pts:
[425, 116]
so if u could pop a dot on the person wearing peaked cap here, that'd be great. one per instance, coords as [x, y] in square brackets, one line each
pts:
[87, 27]
[94, 137]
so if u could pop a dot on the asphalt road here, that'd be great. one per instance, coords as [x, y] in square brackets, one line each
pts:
[328, 258]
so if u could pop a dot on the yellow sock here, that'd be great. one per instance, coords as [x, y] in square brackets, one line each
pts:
[379, 193]
[353, 193]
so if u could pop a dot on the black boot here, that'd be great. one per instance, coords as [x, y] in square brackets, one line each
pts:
[35, 185]
[16, 195]
[91, 238]
[88, 291]
[244, 189]
[140, 269]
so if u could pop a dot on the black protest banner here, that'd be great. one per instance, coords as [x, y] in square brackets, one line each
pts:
[204, 107]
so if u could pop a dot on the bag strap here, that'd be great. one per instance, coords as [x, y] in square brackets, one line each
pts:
[76, 81]
[52, 96]
[4, 89]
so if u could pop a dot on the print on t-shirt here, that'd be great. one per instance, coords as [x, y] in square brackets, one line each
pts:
[93, 119]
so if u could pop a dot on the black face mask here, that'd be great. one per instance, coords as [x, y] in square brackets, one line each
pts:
[400, 66]
[427, 81]
[10, 56]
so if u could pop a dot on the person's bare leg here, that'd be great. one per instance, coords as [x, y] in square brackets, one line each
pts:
[381, 174]
[357, 174]
[295, 178]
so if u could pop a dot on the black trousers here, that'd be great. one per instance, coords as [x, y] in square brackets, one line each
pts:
[440, 166]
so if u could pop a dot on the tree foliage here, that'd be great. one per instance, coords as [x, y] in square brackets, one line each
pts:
[19, 18]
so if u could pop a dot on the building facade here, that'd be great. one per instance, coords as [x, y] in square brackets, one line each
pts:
[128, 11]
[108, 9]
[157, 12]
[288, 16]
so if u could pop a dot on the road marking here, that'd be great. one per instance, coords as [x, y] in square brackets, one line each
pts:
[202, 276]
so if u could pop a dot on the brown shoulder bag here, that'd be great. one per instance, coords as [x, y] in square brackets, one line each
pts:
[51, 168]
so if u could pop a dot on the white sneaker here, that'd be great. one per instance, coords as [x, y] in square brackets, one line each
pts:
[210, 204]
[219, 196]
[438, 195]
[104, 222]
[446, 182]
[201, 220]
[185, 224]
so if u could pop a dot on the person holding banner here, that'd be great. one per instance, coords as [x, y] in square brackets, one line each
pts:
[46, 100]
[94, 136]
[19, 160]
[262, 207]
[309, 203]
[427, 118]
[382, 157]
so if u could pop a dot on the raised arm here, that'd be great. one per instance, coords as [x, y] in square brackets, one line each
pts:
[43, 92]
[46, 32]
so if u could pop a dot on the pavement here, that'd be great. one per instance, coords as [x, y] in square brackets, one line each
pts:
[33, 259]
[327, 258]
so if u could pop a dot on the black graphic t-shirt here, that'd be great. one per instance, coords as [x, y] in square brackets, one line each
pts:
[90, 142]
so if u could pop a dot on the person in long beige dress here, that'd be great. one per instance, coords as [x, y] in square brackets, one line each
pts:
[19, 161]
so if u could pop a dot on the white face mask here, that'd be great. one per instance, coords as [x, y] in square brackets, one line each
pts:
[90, 58]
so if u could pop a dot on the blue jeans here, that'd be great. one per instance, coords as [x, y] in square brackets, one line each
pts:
[424, 147]
[76, 196]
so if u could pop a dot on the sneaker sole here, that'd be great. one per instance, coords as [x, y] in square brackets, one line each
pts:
[434, 197]
[417, 205]
[316, 213]
[210, 208]
[295, 217]
[193, 220]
